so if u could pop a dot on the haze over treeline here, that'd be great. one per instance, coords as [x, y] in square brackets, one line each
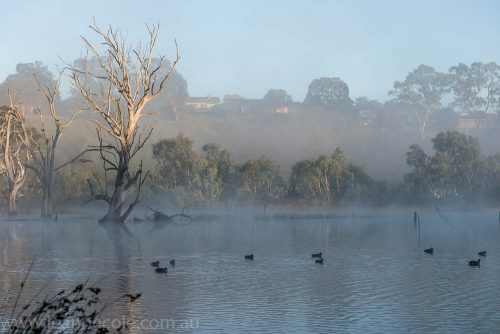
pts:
[422, 146]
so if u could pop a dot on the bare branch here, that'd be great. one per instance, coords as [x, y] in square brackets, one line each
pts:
[77, 158]
[118, 104]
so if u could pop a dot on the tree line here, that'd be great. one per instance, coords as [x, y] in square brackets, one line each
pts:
[430, 95]
[116, 87]
[457, 174]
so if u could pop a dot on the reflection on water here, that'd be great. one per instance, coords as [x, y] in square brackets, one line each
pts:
[376, 276]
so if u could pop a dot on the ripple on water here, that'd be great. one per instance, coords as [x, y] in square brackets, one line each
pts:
[376, 277]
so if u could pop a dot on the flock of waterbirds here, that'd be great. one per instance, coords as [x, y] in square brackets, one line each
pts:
[318, 259]
[314, 255]
[472, 263]
[319, 256]
[164, 270]
[161, 270]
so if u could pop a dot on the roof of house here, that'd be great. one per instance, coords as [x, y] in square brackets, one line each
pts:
[243, 101]
[204, 99]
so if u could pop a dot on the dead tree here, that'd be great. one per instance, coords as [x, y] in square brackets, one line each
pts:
[128, 81]
[43, 149]
[14, 141]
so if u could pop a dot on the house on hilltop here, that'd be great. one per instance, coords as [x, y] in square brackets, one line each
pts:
[201, 104]
[471, 124]
[244, 105]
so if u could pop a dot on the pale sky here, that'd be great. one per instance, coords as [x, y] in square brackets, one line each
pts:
[248, 47]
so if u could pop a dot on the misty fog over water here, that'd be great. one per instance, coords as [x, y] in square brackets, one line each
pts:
[250, 166]
[375, 273]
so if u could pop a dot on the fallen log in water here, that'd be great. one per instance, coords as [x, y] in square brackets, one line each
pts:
[160, 219]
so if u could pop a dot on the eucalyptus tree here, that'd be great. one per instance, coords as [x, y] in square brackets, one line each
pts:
[476, 88]
[456, 170]
[21, 85]
[261, 180]
[15, 138]
[329, 92]
[422, 90]
[128, 81]
[417, 181]
[461, 165]
[276, 98]
[178, 163]
[303, 181]
[181, 168]
[44, 145]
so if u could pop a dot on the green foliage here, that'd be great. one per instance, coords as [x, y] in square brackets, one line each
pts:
[476, 87]
[190, 176]
[275, 98]
[363, 102]
[178, 163]
[418, 181]
[342, 175]
[492, 179]
[334, 181]
[23, 86]
[330, 92]
[422, 90]
[261, 180]
[28, 70]
[217, 171]
[304, 181]
[458, 163]
[456, 171]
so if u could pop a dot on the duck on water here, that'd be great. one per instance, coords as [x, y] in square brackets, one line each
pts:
[473, 263]
[161, 270]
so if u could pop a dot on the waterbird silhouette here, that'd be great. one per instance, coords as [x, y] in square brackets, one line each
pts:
[473, 263]
[320, 261]
[161, 270]
[482, 253]
[155, 264]
[429, 250]
[249, 257]
[316, 255]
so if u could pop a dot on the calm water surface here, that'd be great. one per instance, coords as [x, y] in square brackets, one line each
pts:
[376, 277]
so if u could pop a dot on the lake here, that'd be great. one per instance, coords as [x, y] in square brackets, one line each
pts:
[375, 276]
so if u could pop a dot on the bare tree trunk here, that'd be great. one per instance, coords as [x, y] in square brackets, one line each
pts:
[47, 185]
[14, 142]
[422, 123]
[47, 207]
[119, 104]
[114, 212]
[12, 209]
[43, 151]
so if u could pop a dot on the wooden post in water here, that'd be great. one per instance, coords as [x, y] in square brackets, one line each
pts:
[415, 217]
[417, 224]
